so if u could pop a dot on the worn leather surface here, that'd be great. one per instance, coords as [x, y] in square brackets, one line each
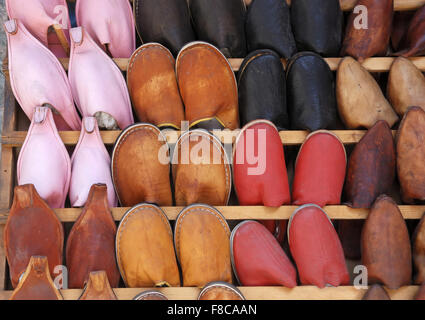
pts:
[137, 172]
[221, 23]
[207, 86]
[32, 229]
[38, 16]
[309, 73]
[201, 170]
[413, 43]
[258, 259]
[316, 248]
[90, 71]
[44, 161]
[376, 292]
[317, 26]
[420, 295]
[153, 88]
[202, 242]
[370, 173]
[262, 89]
[362, 43]
[319, 170]
[386, 250]
[110, 23]
[401, 24]
[263, 180]
[98, 287]
[144, 247]
[360, 99]
[418, 251]
[410, 142]
[406, 86]
[36, 283]
[164, 21]
[91, 164]
[91, 242]
[151, 295]
[38, 78]
[268, 26]
[220, 291]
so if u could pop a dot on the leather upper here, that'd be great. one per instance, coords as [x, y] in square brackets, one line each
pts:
[144, 247]
[376, 292]
[140, 166]
[207, 86]
[316, 248]
[37, 78]
[44, 160]
[91, 164]
[386, 250]
[153, 88]
[91, 242]
[90, 72]
[418, 251]
[202, 242]
[414, 39]
[201, 170]
[319, 170]
[110, 23]
[32, 229]
[98, 287]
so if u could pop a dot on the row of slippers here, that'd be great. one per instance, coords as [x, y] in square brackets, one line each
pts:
[267, 24]
[201, 87]
[145, 252]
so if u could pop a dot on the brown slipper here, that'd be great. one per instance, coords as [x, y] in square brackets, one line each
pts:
[150, 295]
[98, 287]
[220, 291]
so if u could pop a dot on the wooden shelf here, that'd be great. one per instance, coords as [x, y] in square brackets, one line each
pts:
[254, 293]
[371, 64]
[337, 212]
[289, 138]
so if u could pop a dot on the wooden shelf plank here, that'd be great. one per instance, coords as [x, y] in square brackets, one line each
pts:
[338, 212]
[289, 138]
[254, 293]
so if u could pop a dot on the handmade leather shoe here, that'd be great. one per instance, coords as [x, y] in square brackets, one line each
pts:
[91, 164]
[90, 71]
[360, 99]
[316, 248]
[414, 39]
[44, 160]
[386, 251]
[202, 242]
[110, 23]
[308, 72]
[221, 23]
[420, 295]
[201, 170]
[258, 259]
[164, 21]
[90, 245]
[376, 292]
[262, 95]
[207, 86]
[317, 26]
[268, 26]
[36, 283]
[151, 295]
[406, 86]
[40, 17]
[370, 173]
[37, 78]
[98, 287]
[319, 170]
[411, 155]
[140, 166]
[220, 291]
[144, 248]
[362, 41]
[153, 88]
[32, 228]
[419, 251]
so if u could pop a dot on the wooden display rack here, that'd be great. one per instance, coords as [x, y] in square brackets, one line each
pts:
[15, 126]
